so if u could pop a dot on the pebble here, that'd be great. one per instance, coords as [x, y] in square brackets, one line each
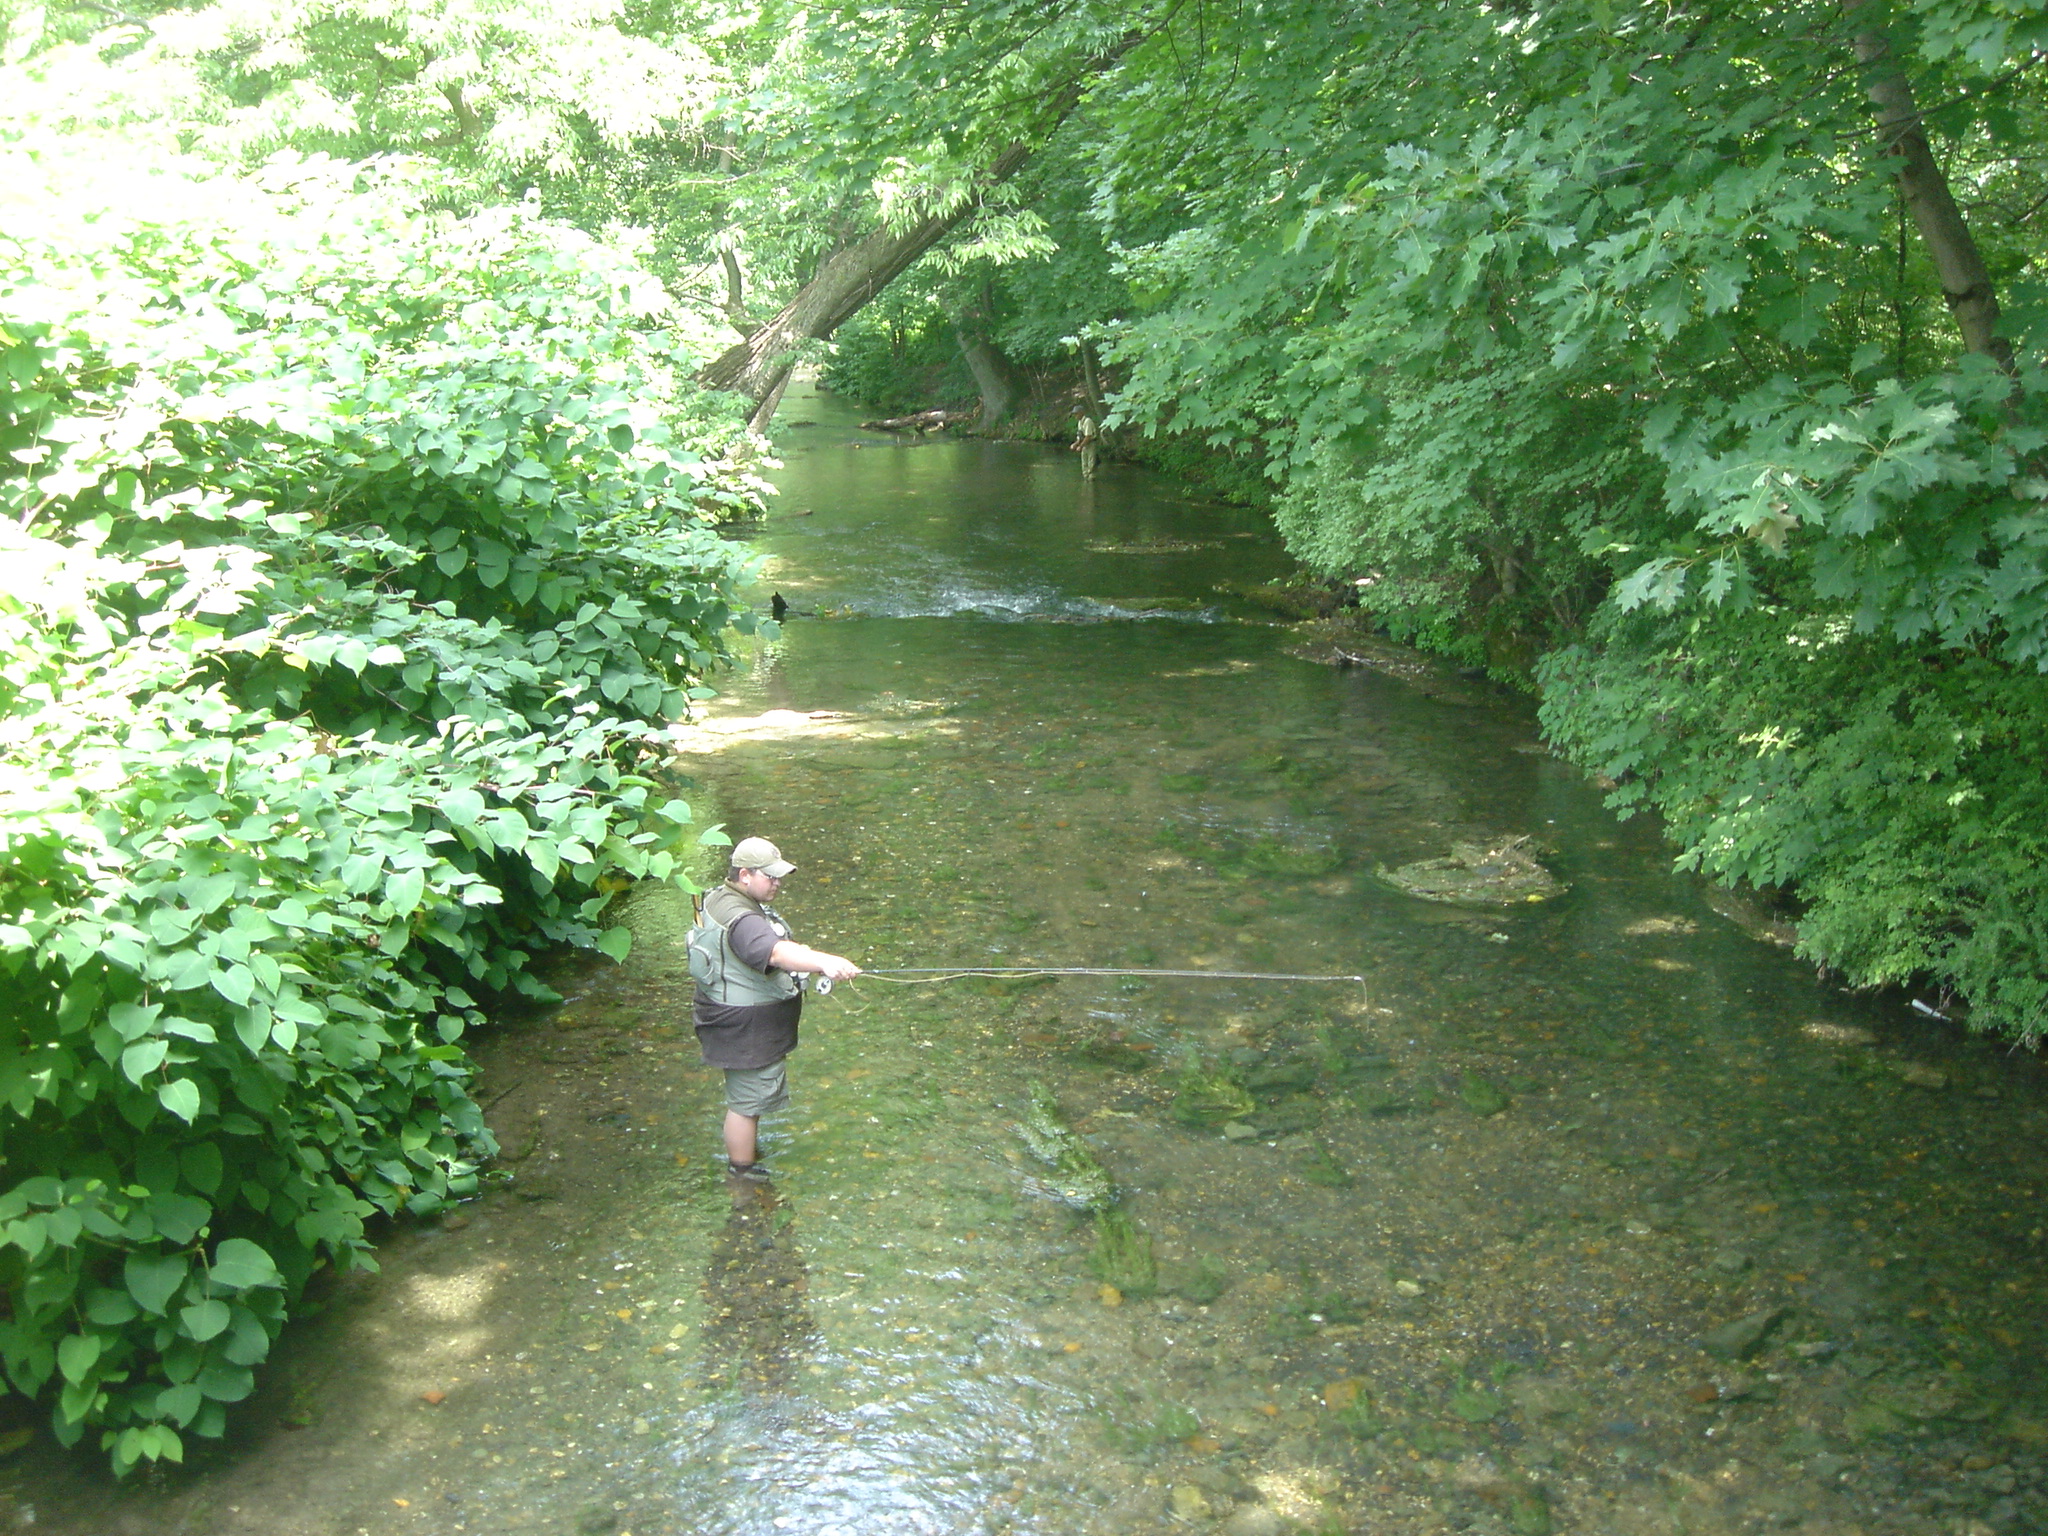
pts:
[1838, 1034]
[1190, 1503]
[1743, 1337]
[1238, 1130]
[1257, 1520]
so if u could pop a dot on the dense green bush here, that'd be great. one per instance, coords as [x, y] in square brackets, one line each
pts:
[1615, 328]
[356, 558]
[898, 355]
[1898, 792]
[1460, 508]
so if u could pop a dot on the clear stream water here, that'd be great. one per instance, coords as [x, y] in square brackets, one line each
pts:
[1438, 1252]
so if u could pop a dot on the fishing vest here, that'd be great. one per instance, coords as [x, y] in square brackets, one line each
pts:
[721, 976]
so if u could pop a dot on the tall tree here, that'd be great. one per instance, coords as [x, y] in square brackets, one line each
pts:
[1966, 283]
[966, 100]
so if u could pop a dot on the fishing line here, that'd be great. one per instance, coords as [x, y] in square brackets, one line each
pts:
[925, 975]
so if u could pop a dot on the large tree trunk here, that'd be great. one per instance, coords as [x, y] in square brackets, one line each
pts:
[1965, 280]
[759, 366]
[837, 291]
[994, 375]
[996, 378]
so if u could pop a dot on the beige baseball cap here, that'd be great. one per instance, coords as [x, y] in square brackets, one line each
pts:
[759, 853]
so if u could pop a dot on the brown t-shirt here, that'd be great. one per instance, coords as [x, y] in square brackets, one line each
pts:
[744, 1035]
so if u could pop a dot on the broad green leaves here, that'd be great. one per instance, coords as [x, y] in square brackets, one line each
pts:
[240, 1264]
[153, 1281]
[284, 799]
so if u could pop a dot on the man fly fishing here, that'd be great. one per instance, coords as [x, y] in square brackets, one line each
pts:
[746, 962]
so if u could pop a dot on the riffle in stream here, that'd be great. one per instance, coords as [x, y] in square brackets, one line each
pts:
[1593, 1214]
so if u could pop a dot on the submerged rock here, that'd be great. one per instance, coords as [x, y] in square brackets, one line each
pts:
[1078, 1178]
[1545, 1397]
[1210, 1098]
[1190, 1503]
[1257, 1519]
[1743, 1337]
[1481, 1095]
[1730, 1261]
[1122, 1259]
[1506, 874]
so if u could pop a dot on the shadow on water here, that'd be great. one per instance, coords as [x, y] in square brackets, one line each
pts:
[1588, 1214]
[757, 1326]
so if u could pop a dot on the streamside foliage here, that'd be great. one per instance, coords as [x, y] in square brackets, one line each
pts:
[356, 555]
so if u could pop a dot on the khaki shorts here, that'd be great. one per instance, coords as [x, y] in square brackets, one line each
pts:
[757, 1091]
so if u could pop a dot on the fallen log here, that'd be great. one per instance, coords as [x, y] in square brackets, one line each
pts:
[920, 422]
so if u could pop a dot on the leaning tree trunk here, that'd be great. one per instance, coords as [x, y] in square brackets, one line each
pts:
[847, 280]
[1965, 280]
[758, 367]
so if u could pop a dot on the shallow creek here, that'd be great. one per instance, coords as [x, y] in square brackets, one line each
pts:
[1595, 1214]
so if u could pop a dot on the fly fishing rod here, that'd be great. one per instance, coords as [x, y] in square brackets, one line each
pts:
[926, 974]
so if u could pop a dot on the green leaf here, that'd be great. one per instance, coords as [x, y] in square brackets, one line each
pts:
[180, 1403]
[31, 1234]
[167, 1445]
[240, 1265]
[185, 969]
[143, 1058]
[181, 1097]
[131, 1020]
[360, 872]
[110, 1309]
[178, 1218]
[462, 806]
[252, 1028]
[248, 1343]
[201, 1165]
[616, 942]
[208, 893]
[77, 1354]
[235, 983]
[204, 1320]
[152, 1279]
[403, 890]
[225, 1382]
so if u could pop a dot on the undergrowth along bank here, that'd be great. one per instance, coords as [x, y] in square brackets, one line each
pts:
[358, 554]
